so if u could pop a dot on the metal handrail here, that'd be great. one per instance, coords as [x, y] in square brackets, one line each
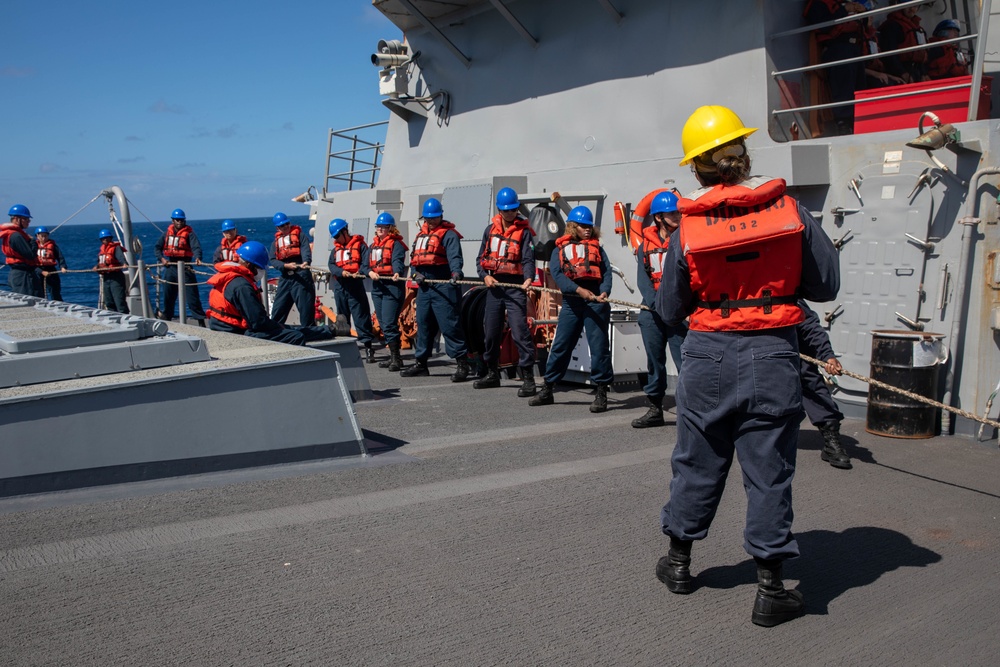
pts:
[874, 56]
[358, 145]
[977, 72]
[910, 93]
[847, 19]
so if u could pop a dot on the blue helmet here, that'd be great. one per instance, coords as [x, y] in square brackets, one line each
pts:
[20, 211]
[279, 219]
[105, 234]
[665, 202]
[581, 215]
[337, 225]
[507, 200]
[432, 209]
[178, 214]
[947, 24]
[41, 230]
[385, 220]
[227, 225]
[253, 252]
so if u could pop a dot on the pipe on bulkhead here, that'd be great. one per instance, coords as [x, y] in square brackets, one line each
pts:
[970, 224]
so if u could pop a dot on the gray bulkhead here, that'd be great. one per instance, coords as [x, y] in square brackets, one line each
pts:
[596, 105]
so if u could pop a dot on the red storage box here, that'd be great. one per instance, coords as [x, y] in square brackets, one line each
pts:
[902, 113]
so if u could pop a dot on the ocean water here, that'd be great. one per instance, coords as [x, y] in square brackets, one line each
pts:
[79, 244]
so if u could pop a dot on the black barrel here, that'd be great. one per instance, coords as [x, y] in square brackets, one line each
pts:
[910, 360]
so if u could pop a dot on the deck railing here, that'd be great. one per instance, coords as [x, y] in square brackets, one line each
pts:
[363, 157]
[973, 86]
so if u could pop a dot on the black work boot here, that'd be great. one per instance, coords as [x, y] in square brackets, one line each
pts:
[600, 403]
[774, 605]
[527, 382]
[544, 396]
[674, 569]
[369, 354]
[653, 416]
[462, 369]
[419, 367]
[385, 362]
[833, 452]
[395, 361]
[491, 381]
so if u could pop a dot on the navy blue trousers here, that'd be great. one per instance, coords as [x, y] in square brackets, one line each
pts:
[190, 292]
[388, 299]
[25, 281]
[657, 337]
[816, 398]
[740, 393]
[514, 302]
[438, 312]
[295, 287]
[349, 295]
[294, 335]
[52, 284]
[114, 292]
[575, 316]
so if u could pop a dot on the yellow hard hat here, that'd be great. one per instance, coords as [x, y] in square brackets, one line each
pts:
[709, 127]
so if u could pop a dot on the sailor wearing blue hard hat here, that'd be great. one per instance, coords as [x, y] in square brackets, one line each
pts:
[387, 262]
[180, 244]
[50, 262]
[437, 255]
[291, 255]
[20, 253]
[348, 266]
[506, 263]
[110, 264]
[582, 272]
[946, 60]
[235, 305]
[231, 240]
[657, 337]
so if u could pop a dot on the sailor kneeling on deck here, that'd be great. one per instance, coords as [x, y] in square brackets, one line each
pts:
[235, 306]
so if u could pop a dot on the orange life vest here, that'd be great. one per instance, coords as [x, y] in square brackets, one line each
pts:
[913, 35]
[7, 231]
[288, 246]
[743, 245]
[47, 255]
[381, 256]
[106, 255]
[579, 259]
[218, 307]
[654, 251]
[503, 248]
[229, 247]
[428, 247]
[947, 61]
[348, 256]
[177, 245]
[843, 30]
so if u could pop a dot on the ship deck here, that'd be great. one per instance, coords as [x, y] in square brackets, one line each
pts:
[485, 532]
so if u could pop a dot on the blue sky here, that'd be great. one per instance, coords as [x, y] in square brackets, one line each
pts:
[220, 108]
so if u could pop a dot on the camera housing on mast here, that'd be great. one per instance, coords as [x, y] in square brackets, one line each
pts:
[391, 53]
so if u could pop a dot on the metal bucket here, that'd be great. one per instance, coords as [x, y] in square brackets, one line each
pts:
[910, 360]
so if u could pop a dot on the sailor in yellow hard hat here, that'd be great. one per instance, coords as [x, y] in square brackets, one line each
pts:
[744, 253]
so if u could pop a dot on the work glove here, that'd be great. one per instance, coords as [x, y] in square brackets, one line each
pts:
[418, 278]
[454, 278]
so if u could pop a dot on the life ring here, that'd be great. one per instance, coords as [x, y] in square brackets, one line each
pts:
[638, 219]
